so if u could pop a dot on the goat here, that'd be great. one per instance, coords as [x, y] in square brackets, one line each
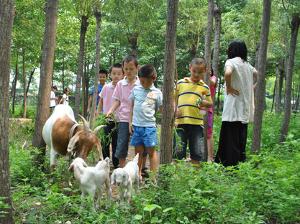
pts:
[64, 136]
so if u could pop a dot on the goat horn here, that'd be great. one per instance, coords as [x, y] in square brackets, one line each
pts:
[98, 128]
[85, 122]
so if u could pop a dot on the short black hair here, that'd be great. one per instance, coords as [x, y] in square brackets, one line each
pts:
[116, 65]
[130, 58]
[103, 71]
[54, 87]
[198, 61]
[147, 71]
[237, 48]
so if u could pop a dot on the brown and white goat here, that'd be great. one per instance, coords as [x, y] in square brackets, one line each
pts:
[63, 135]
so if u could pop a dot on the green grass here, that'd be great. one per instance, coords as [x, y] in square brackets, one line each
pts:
[265, 189]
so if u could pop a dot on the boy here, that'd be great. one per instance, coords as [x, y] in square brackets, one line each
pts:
[146, 100]
[121, 101]
[101, 83]
[192, 95]
[105, 102]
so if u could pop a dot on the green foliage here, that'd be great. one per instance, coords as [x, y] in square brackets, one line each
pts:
[265, 189]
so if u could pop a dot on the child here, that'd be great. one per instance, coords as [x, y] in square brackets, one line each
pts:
[65, 98]
[101, 83]
[192, 94]
[238, 109]
[121, 101]
[210, 118]
[146, 100]
[105, 103]
[53, 98]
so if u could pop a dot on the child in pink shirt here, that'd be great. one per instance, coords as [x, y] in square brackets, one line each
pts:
[105, 103]
[122, 102]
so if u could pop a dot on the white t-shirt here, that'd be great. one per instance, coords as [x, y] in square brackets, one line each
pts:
[52, 100]
[65, 99]
[241, 107]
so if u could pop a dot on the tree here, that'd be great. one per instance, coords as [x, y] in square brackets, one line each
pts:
[261, 82]
[48, 47]
[289, 76]
[208, 37]
[166, 140]
[6, 22]
[98, 15]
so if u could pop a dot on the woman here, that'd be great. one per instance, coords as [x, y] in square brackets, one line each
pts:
[238, 108]
[65, 98]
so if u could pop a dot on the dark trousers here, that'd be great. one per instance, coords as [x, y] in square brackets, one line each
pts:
[232, 143]
[111, 136]
[189, 136]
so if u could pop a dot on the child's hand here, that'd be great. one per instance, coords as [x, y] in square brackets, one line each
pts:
[232, 91]
[109, 114]
[130, 129]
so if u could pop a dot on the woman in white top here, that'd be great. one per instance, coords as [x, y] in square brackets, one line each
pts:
[65, 98]
[238, 108]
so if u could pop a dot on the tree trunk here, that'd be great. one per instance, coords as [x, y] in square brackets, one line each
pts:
[133, 41]
[24, 84]
[84, 88]
[289, 76]
[216, 52]
[208, 39]
[14, 86]
[167, 122]
[278, 84]
[63, 72]
[261, 82]
[97, 62]
[297, 99]
[83, 29]
[6, 22]
[29, 81]
[42, 112]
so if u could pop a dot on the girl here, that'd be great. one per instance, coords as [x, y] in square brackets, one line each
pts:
[238, 108]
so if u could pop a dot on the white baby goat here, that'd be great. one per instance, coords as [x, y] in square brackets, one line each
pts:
[126, 177]
[92, 179]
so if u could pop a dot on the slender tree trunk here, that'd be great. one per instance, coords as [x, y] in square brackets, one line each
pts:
[6, 22]
[29, 81]
[24, 84]
[278, 84]
[167, 122]
[63, 72]
[133, 41]
[83, 29]
[274, 91]
[261, 82]
[14, 87]
[289, 76]
[208, 39]
[297, 99]
[97, 62]
[218, 95]
[216, 52]
[42, 112]
[84, 89]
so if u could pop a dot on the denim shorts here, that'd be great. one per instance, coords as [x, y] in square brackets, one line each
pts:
[145, 136]
[123, 140]
[190, 136]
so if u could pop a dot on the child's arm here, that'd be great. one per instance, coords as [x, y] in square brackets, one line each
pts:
[227, 77]
[115, 105]
[100, 106]
[130, 118]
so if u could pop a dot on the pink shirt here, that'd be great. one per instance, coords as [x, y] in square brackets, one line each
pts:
[121, 93]
[106, 94]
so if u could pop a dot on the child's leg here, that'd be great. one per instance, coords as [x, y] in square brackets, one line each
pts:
[122, 143]
[114, 139]
[154, 161]
[140, 149]
[196, 143]
[210, 142]
[180, 142]
[106, 141]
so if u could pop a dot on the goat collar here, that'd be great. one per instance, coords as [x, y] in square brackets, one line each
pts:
[72, 130]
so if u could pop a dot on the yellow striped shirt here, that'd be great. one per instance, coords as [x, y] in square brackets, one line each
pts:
[188, 92]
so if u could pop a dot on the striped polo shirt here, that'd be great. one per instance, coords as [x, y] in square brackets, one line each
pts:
[188, 92]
